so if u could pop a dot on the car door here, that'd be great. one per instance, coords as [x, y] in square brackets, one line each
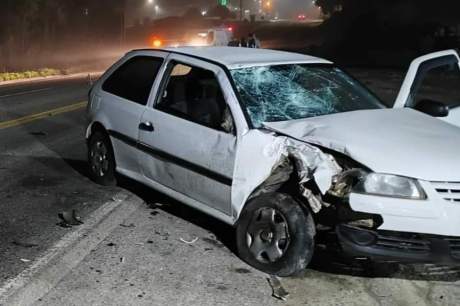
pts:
[124, 94]
[188, 137]
[435, 76]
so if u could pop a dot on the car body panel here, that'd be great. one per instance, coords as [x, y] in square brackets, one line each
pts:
[453, 117]
[434, 215]
[415, 75]
[120, 117]
[178, 196]
[259, 154]
[202, 169]
[234, 58]
[395, 141]
[417, 71]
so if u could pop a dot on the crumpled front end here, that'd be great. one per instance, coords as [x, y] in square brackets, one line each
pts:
[366, 226]
[265, 160]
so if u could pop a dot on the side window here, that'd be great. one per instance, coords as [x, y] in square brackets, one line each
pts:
[440, 84]
[134, 79]
[194, 94]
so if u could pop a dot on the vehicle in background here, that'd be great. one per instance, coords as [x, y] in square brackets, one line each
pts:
[301, 17]
[214, 37]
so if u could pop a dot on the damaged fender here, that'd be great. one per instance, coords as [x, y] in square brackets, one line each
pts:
[260, 153]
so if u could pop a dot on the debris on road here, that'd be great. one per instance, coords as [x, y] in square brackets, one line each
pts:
[25, 260]
[131, 225]
[278, 290]
[189, 242]
[40, 133]
[242, 271]
[69, 219]
[25, 244]
[111, 244]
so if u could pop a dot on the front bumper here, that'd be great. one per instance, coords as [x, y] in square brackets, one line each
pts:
[391, 246]
[435, 215]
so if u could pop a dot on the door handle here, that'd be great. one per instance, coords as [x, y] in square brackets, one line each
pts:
[146, 126]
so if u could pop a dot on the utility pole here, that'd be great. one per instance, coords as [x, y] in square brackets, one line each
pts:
[241, 10]
[122, 23]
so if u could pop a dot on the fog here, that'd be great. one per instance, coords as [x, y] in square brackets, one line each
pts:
[84, 34]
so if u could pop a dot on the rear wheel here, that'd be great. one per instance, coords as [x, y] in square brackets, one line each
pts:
[101, 159]
[275, 235]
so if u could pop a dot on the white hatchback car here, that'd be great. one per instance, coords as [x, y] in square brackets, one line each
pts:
[284, 147]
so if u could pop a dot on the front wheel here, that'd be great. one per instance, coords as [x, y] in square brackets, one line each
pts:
[275, 235]
[101, 159]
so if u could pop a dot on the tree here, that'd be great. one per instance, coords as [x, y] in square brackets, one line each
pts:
[222, 12]
[192, 13]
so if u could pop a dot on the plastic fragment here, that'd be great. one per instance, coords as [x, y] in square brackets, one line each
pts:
[189, 242]
[25, 244]
[69, 218]
[127, 225]
[278, 290]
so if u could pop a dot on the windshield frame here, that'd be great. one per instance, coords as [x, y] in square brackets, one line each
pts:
[314, 65]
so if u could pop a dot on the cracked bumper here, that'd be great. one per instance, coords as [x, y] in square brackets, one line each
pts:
[394, 246]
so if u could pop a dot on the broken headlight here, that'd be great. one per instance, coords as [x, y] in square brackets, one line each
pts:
[390, 186]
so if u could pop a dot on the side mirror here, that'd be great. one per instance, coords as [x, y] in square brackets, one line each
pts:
[432, 108]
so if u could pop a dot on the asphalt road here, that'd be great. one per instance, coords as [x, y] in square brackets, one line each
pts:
[42, 168]
[43, 172]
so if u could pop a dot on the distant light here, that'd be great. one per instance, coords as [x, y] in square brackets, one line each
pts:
[230, 29]
[204, 13]
[157, 43]
[150, 1]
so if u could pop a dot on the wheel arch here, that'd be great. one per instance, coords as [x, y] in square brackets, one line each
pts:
[95, 127]
[283, 179]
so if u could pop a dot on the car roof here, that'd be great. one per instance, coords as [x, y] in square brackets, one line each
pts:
[234, 57]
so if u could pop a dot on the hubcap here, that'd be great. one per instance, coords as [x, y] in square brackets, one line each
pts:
[99, 159]
[268, 235]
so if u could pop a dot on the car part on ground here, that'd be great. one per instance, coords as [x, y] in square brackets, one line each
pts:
[69, 219]
[278, 290]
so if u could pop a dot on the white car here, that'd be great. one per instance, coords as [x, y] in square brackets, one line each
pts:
[284, 147]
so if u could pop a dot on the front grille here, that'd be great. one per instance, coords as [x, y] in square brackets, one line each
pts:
[400, 243]
[448, 191]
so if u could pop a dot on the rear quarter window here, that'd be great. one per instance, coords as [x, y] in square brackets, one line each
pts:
[134, 79]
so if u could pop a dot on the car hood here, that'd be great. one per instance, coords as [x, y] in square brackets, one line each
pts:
[395, 141]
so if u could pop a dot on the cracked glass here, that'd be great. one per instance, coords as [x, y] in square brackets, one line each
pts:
[297, 91]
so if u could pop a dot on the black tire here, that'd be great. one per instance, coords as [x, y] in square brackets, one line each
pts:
[270, 217]
[101, 159]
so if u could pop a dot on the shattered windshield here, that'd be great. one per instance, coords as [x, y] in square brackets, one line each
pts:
[296, 91]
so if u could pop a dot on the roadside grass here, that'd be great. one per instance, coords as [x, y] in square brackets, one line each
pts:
[44, 72]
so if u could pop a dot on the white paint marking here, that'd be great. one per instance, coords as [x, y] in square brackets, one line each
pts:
[46, 272]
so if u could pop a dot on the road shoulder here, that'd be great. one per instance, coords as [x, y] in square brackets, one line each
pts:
[46, 272]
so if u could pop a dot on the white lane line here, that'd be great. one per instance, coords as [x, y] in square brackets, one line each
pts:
[46, 272]
[25, 92]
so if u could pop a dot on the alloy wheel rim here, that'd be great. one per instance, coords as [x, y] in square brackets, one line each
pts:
[99, 159]
[267, 235]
